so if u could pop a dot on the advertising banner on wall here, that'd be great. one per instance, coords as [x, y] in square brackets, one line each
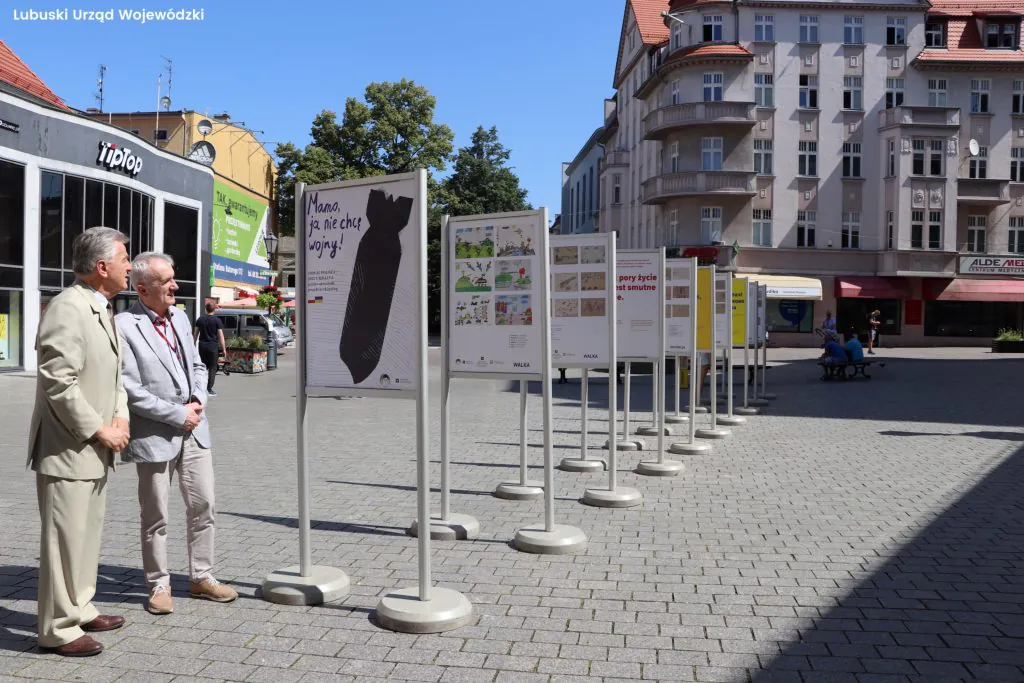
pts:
[678, 280]
[237, 253]
[582, 273]
[362, 242]
[495, 269]
[640, 307]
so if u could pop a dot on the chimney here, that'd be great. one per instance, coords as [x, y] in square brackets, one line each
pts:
[223, 117]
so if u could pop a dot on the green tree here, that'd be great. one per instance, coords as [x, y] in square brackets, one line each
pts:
[482, 181]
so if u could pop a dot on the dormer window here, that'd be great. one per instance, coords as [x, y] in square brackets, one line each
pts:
[935, 34]
[1001, 35]
[712, 28]
[677, 36]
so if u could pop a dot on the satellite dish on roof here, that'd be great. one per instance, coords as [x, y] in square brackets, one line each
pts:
[973, 147]
[204, 127]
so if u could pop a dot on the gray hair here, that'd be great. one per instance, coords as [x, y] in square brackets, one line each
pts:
[141, 271]
[92, 246]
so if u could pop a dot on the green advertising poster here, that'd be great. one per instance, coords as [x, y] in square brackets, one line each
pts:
[236, 243]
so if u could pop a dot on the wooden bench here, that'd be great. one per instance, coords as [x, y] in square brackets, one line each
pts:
[833, 371]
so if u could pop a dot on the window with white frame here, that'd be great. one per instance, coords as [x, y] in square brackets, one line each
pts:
[808, 28]
[711, 224]
[1001, 34]
[673, 92]
[851, 230]
[676, 40]
[977, 227]
[935, 230]
[851, 159]
[711, 154]
[853, 30]
[806, 222]
[673, 157]
[896, 31]
[762, 227]
[919, 149]
[891, 147]
[712, 28]
[764, 90]
[979, 95]
[764, 28]
[894, 91]
[714, 87]
[1017, 165]
[1015, 235]
[808, 91]
[763, 162]
[807, 161]
[936, 158]
[978, 167]
[1018, 96]
[853, 92]
[673, 227]
[616, 188]
[890, 228]
[917, 229]
[935, 34]
[936, 92]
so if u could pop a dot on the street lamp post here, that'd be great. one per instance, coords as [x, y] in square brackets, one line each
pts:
[270, 242]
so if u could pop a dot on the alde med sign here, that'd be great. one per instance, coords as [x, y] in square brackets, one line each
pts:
[992, 265]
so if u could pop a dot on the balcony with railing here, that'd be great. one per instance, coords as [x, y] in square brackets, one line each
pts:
[987, 191]
[659, 189]
[925, 117]
[664, 120]
[613, 157]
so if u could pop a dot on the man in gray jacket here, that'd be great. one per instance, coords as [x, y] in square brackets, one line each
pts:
[166, 385]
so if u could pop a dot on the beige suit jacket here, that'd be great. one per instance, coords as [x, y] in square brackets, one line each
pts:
[78, 388]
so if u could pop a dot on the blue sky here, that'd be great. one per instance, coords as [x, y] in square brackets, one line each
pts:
[537, 69]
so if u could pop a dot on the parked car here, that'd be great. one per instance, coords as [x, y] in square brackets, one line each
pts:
[245, 322]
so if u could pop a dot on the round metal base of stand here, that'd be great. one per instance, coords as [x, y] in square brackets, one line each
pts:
[746, 411]
[652, 431]
[690, 448]
[732, 421]
[455, 528]
[561, 540]
[758, 402]
[514, 490]
[403, 611]
[621, 497]
[699, 410]
[712, 433]
[581, 465]
[287, 586]
[668, 468]
[629, 445]
[677, 419]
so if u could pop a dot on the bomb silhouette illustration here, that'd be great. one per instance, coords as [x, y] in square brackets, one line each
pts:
[373, 283]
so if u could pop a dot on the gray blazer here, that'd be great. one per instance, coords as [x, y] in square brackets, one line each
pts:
[156, 402]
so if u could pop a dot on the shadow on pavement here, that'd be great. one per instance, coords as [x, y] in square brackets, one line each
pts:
[320, 525]
[948, 605]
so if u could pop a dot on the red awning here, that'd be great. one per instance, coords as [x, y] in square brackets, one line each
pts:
[963, 289]
[870, 287]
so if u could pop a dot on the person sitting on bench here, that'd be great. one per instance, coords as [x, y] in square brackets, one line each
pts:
[853, 346]
[834, 351]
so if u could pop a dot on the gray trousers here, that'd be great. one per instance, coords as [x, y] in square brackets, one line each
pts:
[194, 467]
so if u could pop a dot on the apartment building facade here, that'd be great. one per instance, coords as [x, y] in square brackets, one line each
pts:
[853, 156]
[580, 200]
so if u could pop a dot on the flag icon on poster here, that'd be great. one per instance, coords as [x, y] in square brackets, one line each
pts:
[315, 300]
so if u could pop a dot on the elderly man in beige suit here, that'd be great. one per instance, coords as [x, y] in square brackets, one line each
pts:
[80, 421]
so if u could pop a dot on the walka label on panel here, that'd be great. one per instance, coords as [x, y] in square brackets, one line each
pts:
[373, 283]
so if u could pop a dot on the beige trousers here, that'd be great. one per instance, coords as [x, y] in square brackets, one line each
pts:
[71, 525]
[194, 467]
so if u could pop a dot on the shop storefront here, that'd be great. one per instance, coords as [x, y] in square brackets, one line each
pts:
[61, 173]
[791, 308]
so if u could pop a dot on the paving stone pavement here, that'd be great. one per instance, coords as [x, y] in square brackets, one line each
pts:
[865, 532]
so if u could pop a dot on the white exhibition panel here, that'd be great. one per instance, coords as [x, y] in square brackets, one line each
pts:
[582, 273]
[751, 313]
[496, 267]
[762, 313]
[639, 306]
[723, 311]
[678, 331]
[362, 243]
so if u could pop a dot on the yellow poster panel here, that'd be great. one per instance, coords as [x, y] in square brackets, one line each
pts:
[3, 326]
[739, 311]
[705, 308]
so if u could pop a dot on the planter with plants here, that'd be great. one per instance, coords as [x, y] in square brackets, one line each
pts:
[246, 354]
[1008, 341]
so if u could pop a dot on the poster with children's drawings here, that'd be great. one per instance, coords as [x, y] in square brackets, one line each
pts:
[582, 270]
[361, 243]
[494, 295]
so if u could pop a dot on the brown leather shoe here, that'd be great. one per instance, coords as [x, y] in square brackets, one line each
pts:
[82, 647]
[104, 622]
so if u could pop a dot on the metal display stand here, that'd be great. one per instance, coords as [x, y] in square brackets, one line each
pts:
[730, 419]
[751, 309]
[714, 431]
[692, 446]
[626, 443]
[523, 488]
[677, 417]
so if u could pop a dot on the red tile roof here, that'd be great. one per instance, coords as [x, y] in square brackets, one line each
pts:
[653, 30]
[964, 43]
[712, 50]
[16, 73]
[966, 8]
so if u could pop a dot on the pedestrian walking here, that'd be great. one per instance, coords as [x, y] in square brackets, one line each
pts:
[874, 323]
[79, 422]
[166, 386]
[209, 334]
